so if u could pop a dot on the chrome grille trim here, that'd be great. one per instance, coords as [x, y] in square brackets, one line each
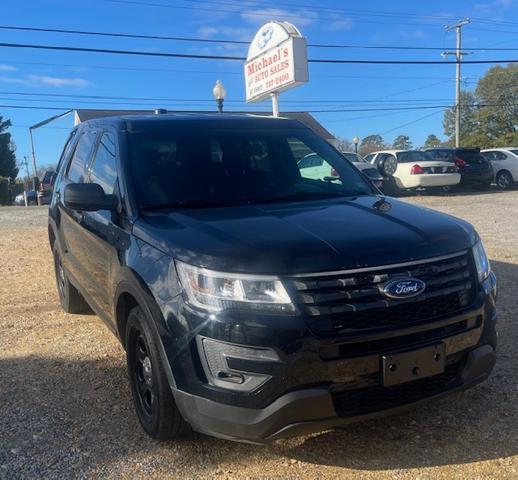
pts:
[379, 267]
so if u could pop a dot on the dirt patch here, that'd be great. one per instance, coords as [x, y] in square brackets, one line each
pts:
[66, 411]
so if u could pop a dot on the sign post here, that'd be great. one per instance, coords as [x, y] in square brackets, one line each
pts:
[277, 61]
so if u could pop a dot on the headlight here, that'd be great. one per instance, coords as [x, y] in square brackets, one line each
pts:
[216, 291]
[481, 261]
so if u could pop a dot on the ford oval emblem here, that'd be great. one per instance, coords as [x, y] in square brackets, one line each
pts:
[404, 288]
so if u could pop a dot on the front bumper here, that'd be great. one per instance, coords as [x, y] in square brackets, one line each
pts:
[319, 383]
[474, 178]
[310, 410]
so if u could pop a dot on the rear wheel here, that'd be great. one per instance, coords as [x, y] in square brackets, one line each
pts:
[69, 297]
[504, 180]
[152, 395]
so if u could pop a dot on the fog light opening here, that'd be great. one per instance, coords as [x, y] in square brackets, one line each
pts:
[231, 377]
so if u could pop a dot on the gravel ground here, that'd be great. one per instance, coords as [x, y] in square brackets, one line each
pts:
[66, 411]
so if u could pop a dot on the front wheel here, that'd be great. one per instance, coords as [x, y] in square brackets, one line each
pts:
[504, 180]
[152, 395]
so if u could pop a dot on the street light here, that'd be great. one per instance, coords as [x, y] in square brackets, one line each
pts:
[219, 93]
[356, 141]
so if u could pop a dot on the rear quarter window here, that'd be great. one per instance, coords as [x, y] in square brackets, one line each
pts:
[407, 157]
[441, 155]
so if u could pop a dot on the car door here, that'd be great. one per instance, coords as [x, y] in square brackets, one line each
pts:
[499, 161]
[509, 161]
[74, 254]
[103, 234]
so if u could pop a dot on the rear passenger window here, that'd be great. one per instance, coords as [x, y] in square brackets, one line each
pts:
[104, 167]
[76, 169]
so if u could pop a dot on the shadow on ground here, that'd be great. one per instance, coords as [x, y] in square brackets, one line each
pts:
[61, 418]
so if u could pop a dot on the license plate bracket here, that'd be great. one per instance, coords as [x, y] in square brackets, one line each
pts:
[405, 367]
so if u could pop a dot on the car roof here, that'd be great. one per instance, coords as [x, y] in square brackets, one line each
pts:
[393, 151]
[451, 149]
[196, 121]
[499, 148]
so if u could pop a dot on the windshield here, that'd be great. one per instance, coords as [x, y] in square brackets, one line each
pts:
[515, 151]
[237, 167]
[413, 156]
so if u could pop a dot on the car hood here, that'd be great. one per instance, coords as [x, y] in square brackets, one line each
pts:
[289, 238]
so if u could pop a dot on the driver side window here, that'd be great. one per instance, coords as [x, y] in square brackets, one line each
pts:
[104, 167]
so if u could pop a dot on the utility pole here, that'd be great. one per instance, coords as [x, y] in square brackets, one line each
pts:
[26, 164]
[458, 55]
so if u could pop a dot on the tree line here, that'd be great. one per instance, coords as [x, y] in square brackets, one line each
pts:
[489, 118]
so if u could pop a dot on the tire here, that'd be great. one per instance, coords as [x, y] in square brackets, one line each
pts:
[504, 180]
[391, 188]
[69, 297]
[152, 395]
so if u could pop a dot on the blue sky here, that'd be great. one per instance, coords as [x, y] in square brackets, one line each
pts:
[39, 72]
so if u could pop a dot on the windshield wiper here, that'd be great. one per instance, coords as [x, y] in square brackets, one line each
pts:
[185, 204]
[303, 196]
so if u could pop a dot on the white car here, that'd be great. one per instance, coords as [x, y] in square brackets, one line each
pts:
[314, 167]
[414, 169]
[505, 165]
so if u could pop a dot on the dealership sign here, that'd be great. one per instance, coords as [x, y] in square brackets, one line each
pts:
[277, 61]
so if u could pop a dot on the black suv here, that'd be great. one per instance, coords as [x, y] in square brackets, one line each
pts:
[474, 169]
[253, 302]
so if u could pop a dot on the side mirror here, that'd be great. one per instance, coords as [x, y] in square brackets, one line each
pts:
[88, 197]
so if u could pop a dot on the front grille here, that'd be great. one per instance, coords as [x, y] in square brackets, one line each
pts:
[351, 403]
[372, 347]
[352, 302]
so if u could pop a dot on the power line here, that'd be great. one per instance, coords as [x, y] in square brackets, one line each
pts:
[208, 100]
[410, 123]
[424, 107]
[251, 13]
[226, 72]
[227, 41]
[231, 57]
[351, 11]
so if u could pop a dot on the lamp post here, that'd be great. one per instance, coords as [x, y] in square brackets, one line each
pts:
[356, 141]
[219, 93]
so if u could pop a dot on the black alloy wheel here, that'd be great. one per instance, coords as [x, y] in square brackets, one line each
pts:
[142, 369]
[150, 387]
[71, 300]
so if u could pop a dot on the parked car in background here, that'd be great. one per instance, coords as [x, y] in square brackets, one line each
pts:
[317, 168]
[474, 169]
[32, 198]
[365, 167]
[414, 169]
[45, 187]
[505, 165]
